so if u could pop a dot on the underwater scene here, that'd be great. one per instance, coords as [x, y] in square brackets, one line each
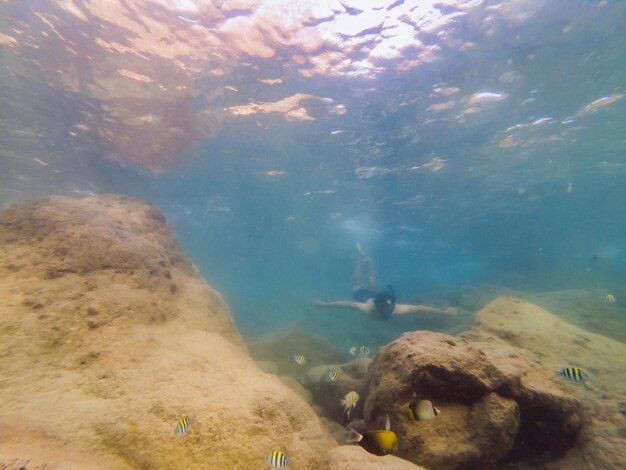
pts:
[312, 234]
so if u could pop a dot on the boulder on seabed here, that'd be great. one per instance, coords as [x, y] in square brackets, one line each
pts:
[109, 335]
[356, 458]
[484, 405]
[550, 343]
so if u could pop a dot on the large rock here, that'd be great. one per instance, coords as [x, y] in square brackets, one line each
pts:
[356, 458]
[549, 343]
[485, 403]
[108, 336]
[587, 308]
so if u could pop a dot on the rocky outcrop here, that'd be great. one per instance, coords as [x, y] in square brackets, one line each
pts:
[501, 403]
[486, 403]
[108, 336]
[549, 343]
[355, 458]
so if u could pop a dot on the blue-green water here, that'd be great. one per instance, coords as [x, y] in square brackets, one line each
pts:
[487, 148]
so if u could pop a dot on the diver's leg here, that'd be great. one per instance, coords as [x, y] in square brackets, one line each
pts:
[356, 276]
[371, 280]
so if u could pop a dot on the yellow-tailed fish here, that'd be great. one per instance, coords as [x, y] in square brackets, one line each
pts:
[422, 410]
[379, 442]
[277, 459]
[333, 374]
[349, 402]
[299, 359]
[183, 426]
[610, 298]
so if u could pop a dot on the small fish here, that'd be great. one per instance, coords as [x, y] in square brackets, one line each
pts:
[299, 359]
[422, 410]
[575, 374]
[379, 442]
[277, 459]
[361, 351]
[333, 374]
[349, 402]
[610, 298]
[183, 426]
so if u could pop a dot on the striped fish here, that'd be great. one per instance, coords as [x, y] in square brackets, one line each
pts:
[610, 298]
[277, 459]
[349, 402]
[361, 351]
[575, 374]
[299, 359]
[183, 426]
[333, 374]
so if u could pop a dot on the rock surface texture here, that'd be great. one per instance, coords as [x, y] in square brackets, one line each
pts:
[108, 336]
[550, 343]
[501, 404]
[356, 458]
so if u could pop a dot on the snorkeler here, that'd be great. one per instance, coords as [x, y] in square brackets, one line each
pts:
[380, 305]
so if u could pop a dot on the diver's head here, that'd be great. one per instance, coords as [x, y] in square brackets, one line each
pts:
[384, 303]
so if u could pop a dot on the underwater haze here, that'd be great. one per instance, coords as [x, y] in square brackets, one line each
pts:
[460, 143]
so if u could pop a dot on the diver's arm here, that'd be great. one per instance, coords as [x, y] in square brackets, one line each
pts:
[360, 306]
[403, 309]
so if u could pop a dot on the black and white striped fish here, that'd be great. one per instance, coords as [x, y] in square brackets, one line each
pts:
[183, 426]
[277, 459]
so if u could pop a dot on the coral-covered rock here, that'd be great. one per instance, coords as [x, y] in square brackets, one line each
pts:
[513, 333]
[484, 403]
[108, 336]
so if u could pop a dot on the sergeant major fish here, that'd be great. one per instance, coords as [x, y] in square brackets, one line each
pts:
[349, 402]
[361, 351]
[277, 459]
[575, 374]
[299, 359]
[333, 374]
[183, 426]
